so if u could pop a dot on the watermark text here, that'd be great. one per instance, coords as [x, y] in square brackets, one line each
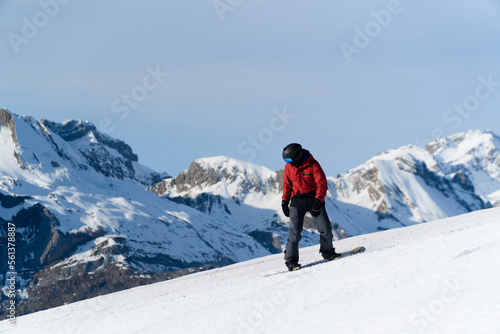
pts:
[254, 144]
[32, 26]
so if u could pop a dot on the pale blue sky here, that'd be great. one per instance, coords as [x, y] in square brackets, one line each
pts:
[246, 79]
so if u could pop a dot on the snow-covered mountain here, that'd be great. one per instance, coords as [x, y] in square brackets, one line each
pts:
[396, 188]
[86, 223]
[410, 185]
[439, 277]
[243, 195]
[476, 155]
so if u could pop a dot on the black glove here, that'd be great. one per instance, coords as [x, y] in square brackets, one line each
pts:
[286, 209]
[316, 208]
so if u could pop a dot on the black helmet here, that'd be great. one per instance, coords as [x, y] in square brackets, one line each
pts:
[293, 154]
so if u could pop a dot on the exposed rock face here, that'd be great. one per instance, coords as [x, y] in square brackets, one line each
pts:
[204, 202]
[403, 187]
[99, 150]
[196, 175]
[73, 130]
[269, 240]
[39, 242]
[10, 202]
[202, 175]
[7, 121]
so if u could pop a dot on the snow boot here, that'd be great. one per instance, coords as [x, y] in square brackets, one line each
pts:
[292, 264]
[330, 255]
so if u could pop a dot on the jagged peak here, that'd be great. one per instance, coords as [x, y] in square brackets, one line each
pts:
[460, 146]
[220, 163]
[220, 171]
[85, 146]
[470, 138]
[474, 133]
[214, 169]
[7, 120]
[71, 130]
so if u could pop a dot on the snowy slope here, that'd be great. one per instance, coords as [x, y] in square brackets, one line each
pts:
[438, 277]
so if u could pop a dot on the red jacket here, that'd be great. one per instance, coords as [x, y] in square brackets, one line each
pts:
[306, 178]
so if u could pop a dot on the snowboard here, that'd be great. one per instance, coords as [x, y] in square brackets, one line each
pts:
[353, 251]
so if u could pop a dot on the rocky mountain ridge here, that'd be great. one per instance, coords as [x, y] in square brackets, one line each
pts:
[85, 222]
[400, 187]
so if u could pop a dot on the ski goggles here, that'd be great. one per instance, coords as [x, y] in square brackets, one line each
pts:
[288, 160]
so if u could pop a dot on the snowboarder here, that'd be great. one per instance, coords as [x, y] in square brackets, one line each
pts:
[306, 186]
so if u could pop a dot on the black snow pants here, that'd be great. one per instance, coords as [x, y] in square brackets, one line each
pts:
[323, 226]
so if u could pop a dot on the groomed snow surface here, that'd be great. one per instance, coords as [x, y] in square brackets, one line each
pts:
[437, 277]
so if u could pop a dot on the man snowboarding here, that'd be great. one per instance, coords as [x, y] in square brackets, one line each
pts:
[306, 186]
